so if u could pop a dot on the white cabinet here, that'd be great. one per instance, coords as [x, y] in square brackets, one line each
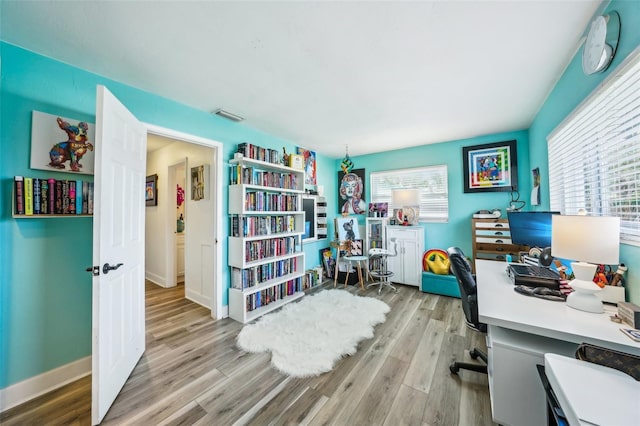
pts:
[407, 265]
[180, 257]
[265, 250]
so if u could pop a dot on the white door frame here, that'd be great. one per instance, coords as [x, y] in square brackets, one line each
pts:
[216, 308]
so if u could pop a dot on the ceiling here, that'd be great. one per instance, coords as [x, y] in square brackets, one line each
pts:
[370, 75]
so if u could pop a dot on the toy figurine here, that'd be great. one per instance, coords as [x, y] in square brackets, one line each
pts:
[562, 270]
[617, 278]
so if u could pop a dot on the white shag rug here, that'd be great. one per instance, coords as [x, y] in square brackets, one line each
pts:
[306, 338]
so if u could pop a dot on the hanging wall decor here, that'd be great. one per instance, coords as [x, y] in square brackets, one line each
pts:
[309, 166]
[61, 144]
[347, 164]
[490, 167]
[351, 192]
[199, 187]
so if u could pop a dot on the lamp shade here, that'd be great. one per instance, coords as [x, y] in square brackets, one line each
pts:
[405, 197]
[592, 239]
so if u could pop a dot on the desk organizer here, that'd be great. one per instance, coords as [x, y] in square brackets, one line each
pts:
[440, 284]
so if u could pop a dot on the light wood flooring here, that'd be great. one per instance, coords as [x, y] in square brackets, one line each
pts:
[193, 374]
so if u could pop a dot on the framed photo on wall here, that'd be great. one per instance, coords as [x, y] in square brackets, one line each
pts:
[491, 167]
[151, 191]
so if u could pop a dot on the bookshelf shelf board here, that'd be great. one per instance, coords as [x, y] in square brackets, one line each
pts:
[262, 237]
[271, 283]
[242, 264]
[263, 165]
[251, 315]
[47, 216]
[266, 188]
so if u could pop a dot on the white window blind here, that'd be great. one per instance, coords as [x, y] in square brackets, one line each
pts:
[594, 154]
[431, 181]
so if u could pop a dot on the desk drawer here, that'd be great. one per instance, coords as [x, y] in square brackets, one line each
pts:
[494, 240]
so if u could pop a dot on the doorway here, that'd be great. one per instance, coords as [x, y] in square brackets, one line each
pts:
[175, 154]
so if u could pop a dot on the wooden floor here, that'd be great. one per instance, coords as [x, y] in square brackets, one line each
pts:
[193, 374]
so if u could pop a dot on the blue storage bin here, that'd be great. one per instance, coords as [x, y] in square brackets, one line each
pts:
[440, 284]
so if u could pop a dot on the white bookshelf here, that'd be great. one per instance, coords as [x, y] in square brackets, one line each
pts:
[264, 247]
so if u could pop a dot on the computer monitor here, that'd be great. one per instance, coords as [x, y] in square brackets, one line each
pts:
[531, 229]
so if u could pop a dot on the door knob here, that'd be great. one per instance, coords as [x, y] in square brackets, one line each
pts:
[106, 267]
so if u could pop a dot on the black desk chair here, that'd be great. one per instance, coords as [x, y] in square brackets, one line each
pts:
[468, 295]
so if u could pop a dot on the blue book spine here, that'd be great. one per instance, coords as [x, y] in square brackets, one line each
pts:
[79, 197]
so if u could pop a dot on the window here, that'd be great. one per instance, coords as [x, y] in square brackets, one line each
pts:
[594, 154]
[431, 181]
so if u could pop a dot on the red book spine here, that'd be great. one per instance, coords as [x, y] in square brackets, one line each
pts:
[19, 194]
[52, 196]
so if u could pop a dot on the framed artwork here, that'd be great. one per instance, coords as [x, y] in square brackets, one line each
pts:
[309, 166]
[61, 144]
[351, 192]
[151, 191]
[328, 261]
[199, 182]
[378, 209]
[356, 248]
[491, 167]
[347, 228]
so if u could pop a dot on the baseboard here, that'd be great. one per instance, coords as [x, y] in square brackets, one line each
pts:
[156, 279]
[198, 298]
[33, 387]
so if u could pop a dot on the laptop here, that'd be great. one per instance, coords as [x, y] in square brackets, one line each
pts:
[533, 276]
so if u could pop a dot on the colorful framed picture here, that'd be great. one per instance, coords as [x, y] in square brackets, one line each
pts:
[491, 167]
[61, 144]
[151, 191]
[309, 166]
[351, 192]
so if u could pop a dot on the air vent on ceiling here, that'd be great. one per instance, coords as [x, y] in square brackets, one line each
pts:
[227, 115]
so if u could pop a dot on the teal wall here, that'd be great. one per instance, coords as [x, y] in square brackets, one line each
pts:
[45, 295]
[457, 231]
[45, 299]
[570, 90]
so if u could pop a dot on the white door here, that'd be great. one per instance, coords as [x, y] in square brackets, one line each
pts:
[118, 326]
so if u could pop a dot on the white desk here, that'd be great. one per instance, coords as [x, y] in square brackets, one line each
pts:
[521, 330]
[591, 394]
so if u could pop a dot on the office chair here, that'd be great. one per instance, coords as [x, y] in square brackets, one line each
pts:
[378, 266]
[468, 295]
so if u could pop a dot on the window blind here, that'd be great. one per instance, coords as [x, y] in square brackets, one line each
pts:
[431, 181]
[594, 154]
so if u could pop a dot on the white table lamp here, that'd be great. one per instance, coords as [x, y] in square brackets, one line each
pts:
[590, 241]
[409, 200]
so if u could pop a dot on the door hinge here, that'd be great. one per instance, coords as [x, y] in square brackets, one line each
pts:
[95, 270]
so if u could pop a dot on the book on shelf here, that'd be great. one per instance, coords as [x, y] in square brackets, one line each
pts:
[58, 197]
[37, 200]
[78, 197]
[72, 197]
[85, 197]
[28, 196]
[51, 197]
[18, 194]
[44, 196]
[90, 198]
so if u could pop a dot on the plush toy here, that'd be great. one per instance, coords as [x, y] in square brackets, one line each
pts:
[436, 261]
